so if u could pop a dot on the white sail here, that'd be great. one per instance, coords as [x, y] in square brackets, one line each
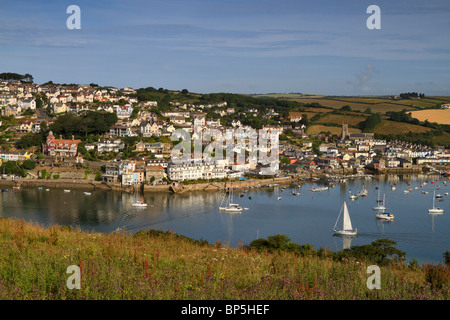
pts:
[347, 222]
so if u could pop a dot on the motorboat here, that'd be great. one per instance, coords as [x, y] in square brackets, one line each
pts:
[385, 216]
[139, 204]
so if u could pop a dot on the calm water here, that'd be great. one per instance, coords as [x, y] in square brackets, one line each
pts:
[305, 218]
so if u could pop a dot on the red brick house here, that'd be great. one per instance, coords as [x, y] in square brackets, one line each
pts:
[60, 147]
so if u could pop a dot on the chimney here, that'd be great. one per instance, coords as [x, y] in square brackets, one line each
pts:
[60, 136]
[73, 138]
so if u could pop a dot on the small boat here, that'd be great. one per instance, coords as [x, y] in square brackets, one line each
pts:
[230, 206]
[347, 229]
[438, 196]
[87, 193]
[16, 188]
[393, 188]
[47, 189]
[4, 190]
[279, 198]
[424, 192]
[434, 209]
[139, 204]
[65, 190]
[40, 188]
[380, 203]
[363, 193]
[318, 189]
[385, 216]
[352, 196]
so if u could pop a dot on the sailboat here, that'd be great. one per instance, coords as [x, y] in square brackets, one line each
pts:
[347, 229]
[380, 203]
[435, 209]
[230, 206]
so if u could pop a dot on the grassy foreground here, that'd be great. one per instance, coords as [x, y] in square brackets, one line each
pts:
[164, 265]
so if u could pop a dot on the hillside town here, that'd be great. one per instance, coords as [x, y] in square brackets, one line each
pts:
[137, 148]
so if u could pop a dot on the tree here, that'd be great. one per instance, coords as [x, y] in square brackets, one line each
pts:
[184, 91]
[381, 252]
[30, 140]
[276, 242]
[28, 164]
[346, 108]
[370, 123]
[12, 167]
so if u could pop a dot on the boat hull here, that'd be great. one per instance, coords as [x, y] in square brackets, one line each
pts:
[226, 209]
[139, 205]
[436, 211]
[385, 217]
[345, 232]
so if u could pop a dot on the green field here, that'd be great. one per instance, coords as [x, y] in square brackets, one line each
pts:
[316, 129]
[381, 104]
[392, 127]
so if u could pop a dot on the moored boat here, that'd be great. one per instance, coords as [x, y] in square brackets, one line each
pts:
[139, 204]
[385, 216]
[434, 209]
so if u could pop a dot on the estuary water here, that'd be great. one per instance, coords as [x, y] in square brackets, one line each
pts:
[306, 218]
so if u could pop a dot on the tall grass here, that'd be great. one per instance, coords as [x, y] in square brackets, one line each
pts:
[164, 265]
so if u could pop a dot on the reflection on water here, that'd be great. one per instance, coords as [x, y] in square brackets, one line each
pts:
[307, 217]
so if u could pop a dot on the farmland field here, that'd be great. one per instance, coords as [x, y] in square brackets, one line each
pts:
[316, 129]
[352, 120]
[391, 127]
[382, 106]
[441, 116]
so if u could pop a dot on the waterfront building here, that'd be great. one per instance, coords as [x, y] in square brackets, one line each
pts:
[194, 171]
[60, 147]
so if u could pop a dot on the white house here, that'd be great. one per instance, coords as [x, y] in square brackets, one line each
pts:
[193, 171]
[26, 104]
[110, 145]
[123, 111]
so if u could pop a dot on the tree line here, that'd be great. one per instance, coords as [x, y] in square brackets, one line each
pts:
[8, 76]
[89, 123]
[408, 95]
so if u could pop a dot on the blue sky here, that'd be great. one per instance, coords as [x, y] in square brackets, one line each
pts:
[245, 46]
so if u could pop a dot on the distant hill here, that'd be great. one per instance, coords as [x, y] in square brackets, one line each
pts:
[328, 113]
